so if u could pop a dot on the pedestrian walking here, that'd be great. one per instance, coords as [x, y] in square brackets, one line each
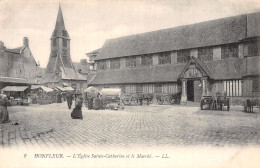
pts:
[77, 111]
[4, 115]
[59, 96]
[69, 98]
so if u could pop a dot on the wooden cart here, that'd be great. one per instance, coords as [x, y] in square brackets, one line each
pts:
[215, 103]
[221, 102]
[169, 98]
[206, 100]
[249, 105]
[110, 95]
[137, 99]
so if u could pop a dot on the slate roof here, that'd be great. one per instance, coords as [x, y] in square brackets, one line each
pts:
[139, 75]
[60, 26]
[83, 67]
[94, 52]
[69, 73]
[219, 70]
[13, 80]
[225, 69]
[209, 33]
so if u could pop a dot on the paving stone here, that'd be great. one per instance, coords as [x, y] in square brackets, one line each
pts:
[150, 126]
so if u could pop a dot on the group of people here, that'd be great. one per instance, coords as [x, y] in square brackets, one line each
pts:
[96, 102]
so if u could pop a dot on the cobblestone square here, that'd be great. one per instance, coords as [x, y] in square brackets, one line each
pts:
[149, 126]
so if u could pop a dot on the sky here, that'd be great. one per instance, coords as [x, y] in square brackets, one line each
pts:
[90, 22]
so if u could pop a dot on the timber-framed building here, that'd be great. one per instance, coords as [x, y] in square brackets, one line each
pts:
[217, 56]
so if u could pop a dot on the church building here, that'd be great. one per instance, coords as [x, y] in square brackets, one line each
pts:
[60, 70]
[217, 56]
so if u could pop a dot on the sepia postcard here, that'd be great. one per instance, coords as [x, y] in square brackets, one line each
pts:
[120, 83]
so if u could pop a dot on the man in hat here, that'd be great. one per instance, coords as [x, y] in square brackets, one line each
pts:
[69, 99]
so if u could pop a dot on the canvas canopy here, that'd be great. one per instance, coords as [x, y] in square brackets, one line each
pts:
[68, 88]
[46, 89]
[60, 88]
[35, 86]
[65, 84]
[111, 91]
[91, 89]
[15, 88]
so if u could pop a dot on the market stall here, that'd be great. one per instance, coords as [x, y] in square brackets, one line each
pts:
[89, 94]
[41, 94]
[17, 94]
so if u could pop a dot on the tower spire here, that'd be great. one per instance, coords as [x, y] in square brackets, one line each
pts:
[60, 21]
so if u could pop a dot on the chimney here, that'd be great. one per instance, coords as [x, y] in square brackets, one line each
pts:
[2, 46]
[25, 41]
[83, 61]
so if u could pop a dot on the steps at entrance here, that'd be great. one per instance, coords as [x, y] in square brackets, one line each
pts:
[192, 104]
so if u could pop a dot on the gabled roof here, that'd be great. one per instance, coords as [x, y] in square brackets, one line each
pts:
[210, 33]
[200, 65]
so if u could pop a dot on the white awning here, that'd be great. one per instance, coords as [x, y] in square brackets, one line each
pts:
[46, 89]
[68, 88]
[91, 89]
[65, 84]
[60, 88]
[111, 91]
[15, 88]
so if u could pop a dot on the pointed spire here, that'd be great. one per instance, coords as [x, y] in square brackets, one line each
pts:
[60, 21]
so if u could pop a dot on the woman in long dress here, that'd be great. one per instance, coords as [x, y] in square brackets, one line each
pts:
[4, 116]
[77, 112]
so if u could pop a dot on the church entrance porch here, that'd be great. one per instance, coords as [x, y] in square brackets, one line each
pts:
[194, 80]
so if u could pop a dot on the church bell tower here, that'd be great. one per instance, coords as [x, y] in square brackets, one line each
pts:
[60, 47]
